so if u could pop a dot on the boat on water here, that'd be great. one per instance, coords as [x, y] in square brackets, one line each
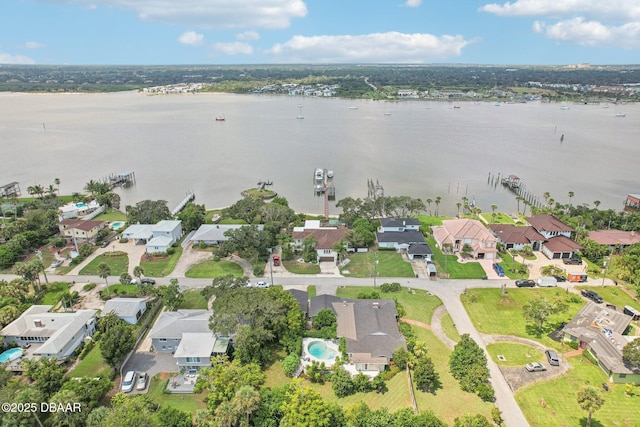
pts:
[300, 116]
[387, 114]
[353, 108]
[621, 114]
[329, 174]
[215, 219]
[319, 176]
[564, 107]
[456, 106]
[220, 119]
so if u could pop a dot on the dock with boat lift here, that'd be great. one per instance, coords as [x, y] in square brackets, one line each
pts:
[189, 197]
[123, 179]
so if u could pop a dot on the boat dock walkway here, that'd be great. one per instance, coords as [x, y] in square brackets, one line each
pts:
[189, 197]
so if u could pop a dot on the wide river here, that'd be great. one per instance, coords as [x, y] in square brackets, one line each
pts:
[414, 148]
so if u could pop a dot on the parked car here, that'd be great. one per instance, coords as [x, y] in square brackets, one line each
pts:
[552, 357]
[148, 281]
[276, 260]
[535, 367]
[141, 384]
[262, 285]
[57, 263]
[134, 281]
[104, 244]
[572, 261]
[525, 283]
[498, 269]
[592, 296]
[559, 278]
[127, 381]
[547, 282]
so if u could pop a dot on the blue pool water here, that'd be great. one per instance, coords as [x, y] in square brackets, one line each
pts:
[81, 205]
[116, 225]
[10, 355]
[320, 350]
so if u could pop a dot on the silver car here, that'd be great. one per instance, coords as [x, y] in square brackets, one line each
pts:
[535, 367]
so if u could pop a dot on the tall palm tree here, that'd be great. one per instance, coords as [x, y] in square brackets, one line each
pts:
[597, 203]
[493, 212]
[104, 271]
[571, 194]
[458, 205]
[138, 271]
[437, 202]
[57, 183]
[518, 199]
[429, 204]
[51, 190]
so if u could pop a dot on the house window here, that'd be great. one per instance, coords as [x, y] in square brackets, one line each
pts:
[193, 360]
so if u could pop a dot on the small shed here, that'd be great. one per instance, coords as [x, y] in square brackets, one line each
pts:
[577, 276]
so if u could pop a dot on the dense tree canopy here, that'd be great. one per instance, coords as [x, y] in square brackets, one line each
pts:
[148, 212]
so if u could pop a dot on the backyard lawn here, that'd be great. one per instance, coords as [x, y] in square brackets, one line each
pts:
[301, 267]
[493, 313]
[615, 295]
[185, 402]
[92, 365]
[161, 267]
[193, 300]
[117, 261]
[390, 264]
[429, 220]
[211, 269]
[499, 218]
[559, 396]
[111, 215]
[449, 264]
[54, 292]
[515, 354]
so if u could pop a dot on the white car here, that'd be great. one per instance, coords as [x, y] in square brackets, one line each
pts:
[141, 384]
[128, 381]
[535, 367]
[57, 263]
[262, 285]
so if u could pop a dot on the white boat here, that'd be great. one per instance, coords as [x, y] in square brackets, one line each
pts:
[353, 108]
[564, 107]
[621, 115]
[215, 219]
[300, 116]
[329, 174]
[387, 114]
[319, 176]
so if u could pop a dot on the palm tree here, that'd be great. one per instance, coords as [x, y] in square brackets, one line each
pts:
[429, 204]
[437, 201]
[571, 194]
[526, 203]
[546, 195]
[493, 212]
[57, 183]
[138, 271]
[458, 204]
[518, 199]
[51, 190]
[247, 400]
[104, 271]
[597, 203]
[340, 247]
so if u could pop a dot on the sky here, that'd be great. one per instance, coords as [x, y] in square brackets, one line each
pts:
[517, 32]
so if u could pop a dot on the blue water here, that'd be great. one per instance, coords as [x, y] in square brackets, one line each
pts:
[320, 350]
[10, 355]
[116, 225]
[81, 205]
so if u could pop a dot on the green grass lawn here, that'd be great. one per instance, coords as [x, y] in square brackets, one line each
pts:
[120, 289]
[449, 265]
[493, 313]
[429, 220]
[449, 328]
[193, 300]
[614, 295]
[185, 402]
[311, 291]
[419, 306]
[449, 401]
[390, 264]
[119, 264]
[161, 267]
[500, 218]
[92, 365]
[213, 268]
[53, 292]
[560, 398]
[508, 263]
[301, 267]
[516, 354]
[111, 215]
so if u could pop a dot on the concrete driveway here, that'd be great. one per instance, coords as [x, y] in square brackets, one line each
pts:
[151, 363]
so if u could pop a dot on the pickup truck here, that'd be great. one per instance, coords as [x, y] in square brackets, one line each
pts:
[572, 261]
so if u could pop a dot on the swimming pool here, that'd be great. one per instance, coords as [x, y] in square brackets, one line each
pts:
[116, 225]
[81, 205]
[320, 350]
[11, 354]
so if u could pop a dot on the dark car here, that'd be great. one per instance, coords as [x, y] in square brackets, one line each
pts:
[592, 296]
[525, 283]
[572, 261]
[560, 278]
[148, 281]
[499, 270]
[552, 357]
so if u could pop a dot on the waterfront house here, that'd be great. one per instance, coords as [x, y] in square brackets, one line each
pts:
[325, 239]
[214, 234]
[456, 233]
[615, 239]
[399, 233]
[50, 334]
[549, 226]
[80, 231]
[77, 210]
[128, 309]
[156, 237]
[516, 237]
[560, 247]
[599, 330]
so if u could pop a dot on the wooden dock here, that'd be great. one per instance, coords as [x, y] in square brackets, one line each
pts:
[189, 197]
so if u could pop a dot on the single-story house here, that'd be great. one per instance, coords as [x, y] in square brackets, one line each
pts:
[549, 226]
[303, 299]
[600, 330]
[456, 233]
[80, 231]
[516, 237]
[128, 309]
[325, 238]
[560, 247]
[398, 224]
[156, 237]
[50, 334]
[172, 327]
[213, 234]
[615, 238]
[400, 240]
[370, 329]
[419, 251]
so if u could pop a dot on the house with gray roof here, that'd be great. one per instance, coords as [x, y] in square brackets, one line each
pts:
[186, 334]
[399, 233]
[399, 224]
[128, 309]
[50, 334]
[600, 331]
[156, 237]
[213, 234]
[370, 329]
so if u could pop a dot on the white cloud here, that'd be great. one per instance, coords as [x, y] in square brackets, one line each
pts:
[248, 35]
[624, 10]
[191, 38]
[233, 48]
[217, 14]
[33, 45]
[391, 47]
[6, 58]
[413, 3]
[591, 33]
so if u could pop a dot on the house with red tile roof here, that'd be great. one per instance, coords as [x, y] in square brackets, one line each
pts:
[549, 226]
[615, 238]
[325, 238]
[458, 232]
[560, 247]
[516, 237]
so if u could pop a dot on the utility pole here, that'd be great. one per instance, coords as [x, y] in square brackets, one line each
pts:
[375, 270]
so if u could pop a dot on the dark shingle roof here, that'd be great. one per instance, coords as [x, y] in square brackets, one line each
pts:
[398, 222]
[509, 233]
[546, 222]
[302, 297]
[407, 237]
[420, 249]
